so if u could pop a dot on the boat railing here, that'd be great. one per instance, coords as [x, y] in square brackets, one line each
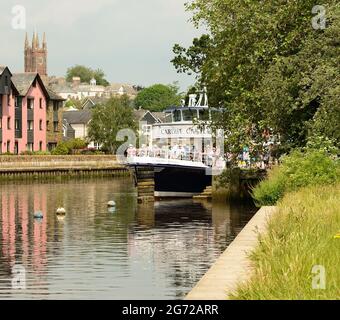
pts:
[209, 159]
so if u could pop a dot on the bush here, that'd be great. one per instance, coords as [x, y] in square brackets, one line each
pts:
[76, 144]
[297, 170]
[60, 149]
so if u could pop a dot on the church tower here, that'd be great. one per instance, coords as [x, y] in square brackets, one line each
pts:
[36, 55]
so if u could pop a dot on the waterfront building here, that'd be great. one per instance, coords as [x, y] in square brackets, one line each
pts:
[30, 122]
[8, 109]
[54, 119]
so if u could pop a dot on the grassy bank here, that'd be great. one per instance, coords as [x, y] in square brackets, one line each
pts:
[302, 234]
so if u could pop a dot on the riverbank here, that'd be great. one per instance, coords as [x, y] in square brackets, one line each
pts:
[233, 266]
[299, 256]
[36, 167]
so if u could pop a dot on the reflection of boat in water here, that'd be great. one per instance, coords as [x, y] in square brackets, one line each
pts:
[180, 151]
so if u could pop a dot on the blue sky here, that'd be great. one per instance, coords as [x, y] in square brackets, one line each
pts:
[131, 40]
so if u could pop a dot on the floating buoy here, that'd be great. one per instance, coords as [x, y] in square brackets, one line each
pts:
[61, 211]
[38, 215]
[111, 204]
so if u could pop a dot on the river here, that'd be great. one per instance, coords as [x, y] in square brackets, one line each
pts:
[146, 251]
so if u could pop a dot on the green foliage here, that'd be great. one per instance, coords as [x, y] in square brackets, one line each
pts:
[60, 149]
[76, 144]
[300, 236]
[108, 119]
[69, 147]
[297, 170]
[158, 97]
[266, 65]
[73, 103]
[86, 74]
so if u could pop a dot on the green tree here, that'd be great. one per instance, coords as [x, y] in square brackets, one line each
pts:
[267, 67]
[108, 119]
[86, 74]
[158, 97]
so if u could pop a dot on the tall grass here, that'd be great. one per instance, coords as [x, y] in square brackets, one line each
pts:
[300, 235]
[297, 170]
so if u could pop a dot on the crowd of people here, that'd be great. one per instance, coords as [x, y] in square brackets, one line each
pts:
[211, 156]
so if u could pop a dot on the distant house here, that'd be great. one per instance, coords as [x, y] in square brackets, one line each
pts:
[146, 119]
[77, 90]
[91, 102]
[119, 89]
[76, 123]
[65, 90]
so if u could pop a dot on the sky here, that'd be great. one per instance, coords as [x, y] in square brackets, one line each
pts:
[131, 40]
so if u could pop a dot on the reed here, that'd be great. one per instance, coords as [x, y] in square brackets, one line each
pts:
[301, 235]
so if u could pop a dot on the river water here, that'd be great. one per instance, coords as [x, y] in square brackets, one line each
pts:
[155, 251]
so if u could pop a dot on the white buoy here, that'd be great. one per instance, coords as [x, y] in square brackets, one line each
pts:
[38, 215]
[111, 204]
[61, 211]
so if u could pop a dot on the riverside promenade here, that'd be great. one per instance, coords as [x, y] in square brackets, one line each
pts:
[27, 166]
[233, 266]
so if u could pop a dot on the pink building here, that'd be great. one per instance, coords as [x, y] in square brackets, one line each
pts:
[30, 117]
[26, 106]
[8, 94]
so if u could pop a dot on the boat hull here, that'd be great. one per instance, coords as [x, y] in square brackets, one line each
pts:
[175, 181]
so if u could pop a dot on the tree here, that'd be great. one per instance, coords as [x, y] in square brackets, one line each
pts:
[108, 119]
[267, 67]
[86, 74]
[158, 97]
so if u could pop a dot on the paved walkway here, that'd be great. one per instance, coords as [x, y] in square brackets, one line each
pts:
[233, 266]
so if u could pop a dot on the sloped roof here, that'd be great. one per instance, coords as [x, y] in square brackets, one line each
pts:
[93, 101]
[159, 115]
[63, 88]
[2, 69]
[53, 96]
[23, 81]
[78, 117]
[141, 113]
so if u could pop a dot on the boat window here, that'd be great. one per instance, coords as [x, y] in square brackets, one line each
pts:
[187, 115]
[204, 115]
[177, 116]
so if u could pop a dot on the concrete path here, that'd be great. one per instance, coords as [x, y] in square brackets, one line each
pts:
[233, 266]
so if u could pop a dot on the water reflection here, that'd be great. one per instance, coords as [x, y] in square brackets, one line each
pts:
[139, 251]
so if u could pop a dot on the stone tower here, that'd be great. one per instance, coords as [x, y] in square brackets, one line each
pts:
[36, 56]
